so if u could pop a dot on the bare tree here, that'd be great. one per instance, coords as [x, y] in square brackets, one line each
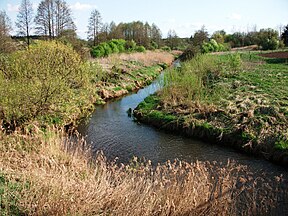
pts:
[25, 20]
[94, 26]
[5, 28]
[53, 17]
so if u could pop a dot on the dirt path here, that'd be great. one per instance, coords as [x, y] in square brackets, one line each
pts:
[275, 55]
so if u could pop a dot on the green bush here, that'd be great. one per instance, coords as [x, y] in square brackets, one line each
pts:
[97, 51]
[166, 48]
[46, 80]
[269, 44]
[120, 44]
[114, 47]
[140, 49]
[130, 46]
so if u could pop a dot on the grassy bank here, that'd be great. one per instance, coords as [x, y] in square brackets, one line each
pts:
[123, 73]
[239, 100]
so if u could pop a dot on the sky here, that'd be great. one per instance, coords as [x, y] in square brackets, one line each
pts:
[183, 16]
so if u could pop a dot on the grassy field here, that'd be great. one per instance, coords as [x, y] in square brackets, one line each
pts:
[240, 98]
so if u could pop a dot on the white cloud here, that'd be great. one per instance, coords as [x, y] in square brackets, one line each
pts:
[235, 16]
[13, 8]
[80, 6]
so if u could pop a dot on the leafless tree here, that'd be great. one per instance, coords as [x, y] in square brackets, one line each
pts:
[53, 17]
[25, 20]
[5, 28]
[94, 27]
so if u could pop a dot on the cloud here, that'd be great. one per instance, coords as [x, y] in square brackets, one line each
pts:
[235, 16]
[80, 6]
[13, 8]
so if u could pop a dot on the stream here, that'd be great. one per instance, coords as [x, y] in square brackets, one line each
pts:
[111, 130]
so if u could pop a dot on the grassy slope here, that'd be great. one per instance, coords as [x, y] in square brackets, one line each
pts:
[247, 107]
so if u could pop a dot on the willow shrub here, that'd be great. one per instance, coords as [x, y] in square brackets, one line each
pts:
[46, 82]
[195, 81]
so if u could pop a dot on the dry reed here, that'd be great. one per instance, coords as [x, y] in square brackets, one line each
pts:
[64, 179]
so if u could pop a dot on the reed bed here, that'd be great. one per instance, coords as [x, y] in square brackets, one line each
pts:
[48, 173]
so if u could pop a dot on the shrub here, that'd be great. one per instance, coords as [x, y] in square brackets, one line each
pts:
[41, 81]
[120, 44]
[130, 45]
[269, 44]
[166, 48]
[154, 45]
[114, 47]
[140, 49]
[97, 52]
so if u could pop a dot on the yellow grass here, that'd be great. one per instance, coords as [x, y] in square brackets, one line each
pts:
[147, 58]
[63, 179]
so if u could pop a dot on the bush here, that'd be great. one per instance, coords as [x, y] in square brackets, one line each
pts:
[130, 45]
[120, 44]
[269, 44]
[42, 81]
[190, 53]
[154, 45]
[140, 49]
[97, 51]
[166, 48]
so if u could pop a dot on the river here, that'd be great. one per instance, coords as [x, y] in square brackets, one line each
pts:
[111, 130]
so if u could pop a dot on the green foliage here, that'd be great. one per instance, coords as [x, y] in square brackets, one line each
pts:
[9, 196]
[268, 39]
[235, 62]
[140, 49]
[193, 82]
[154, 45]
[190, 53]
[130, 45]
[213, 46]
[166, 48]
[281, 144]
[43, 81]
[115, 46]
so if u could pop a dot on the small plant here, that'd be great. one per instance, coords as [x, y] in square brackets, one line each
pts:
[140, 49]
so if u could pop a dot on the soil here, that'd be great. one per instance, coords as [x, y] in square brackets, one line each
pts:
[275, 55]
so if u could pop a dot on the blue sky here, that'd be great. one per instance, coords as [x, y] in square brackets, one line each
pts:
[183, 16]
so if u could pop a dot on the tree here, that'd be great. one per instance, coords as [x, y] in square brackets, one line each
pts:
[284, 36]
[268, 39]
[25, 20]
[53, 17]
[200, 37]
[156, 35]
[219, 36]
[94, 27]
[172, 39]
[5, 28]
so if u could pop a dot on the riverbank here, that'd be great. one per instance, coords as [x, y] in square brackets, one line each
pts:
[124, 73]
[237, 100]
[44, 172]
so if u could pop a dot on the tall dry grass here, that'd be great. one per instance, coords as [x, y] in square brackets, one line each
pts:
[148, 58]
[57, 177]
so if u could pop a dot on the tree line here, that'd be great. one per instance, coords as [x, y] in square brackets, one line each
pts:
[53, 19]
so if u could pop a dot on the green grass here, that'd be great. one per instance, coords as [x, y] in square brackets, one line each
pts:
[229, 92]
[9, 196]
